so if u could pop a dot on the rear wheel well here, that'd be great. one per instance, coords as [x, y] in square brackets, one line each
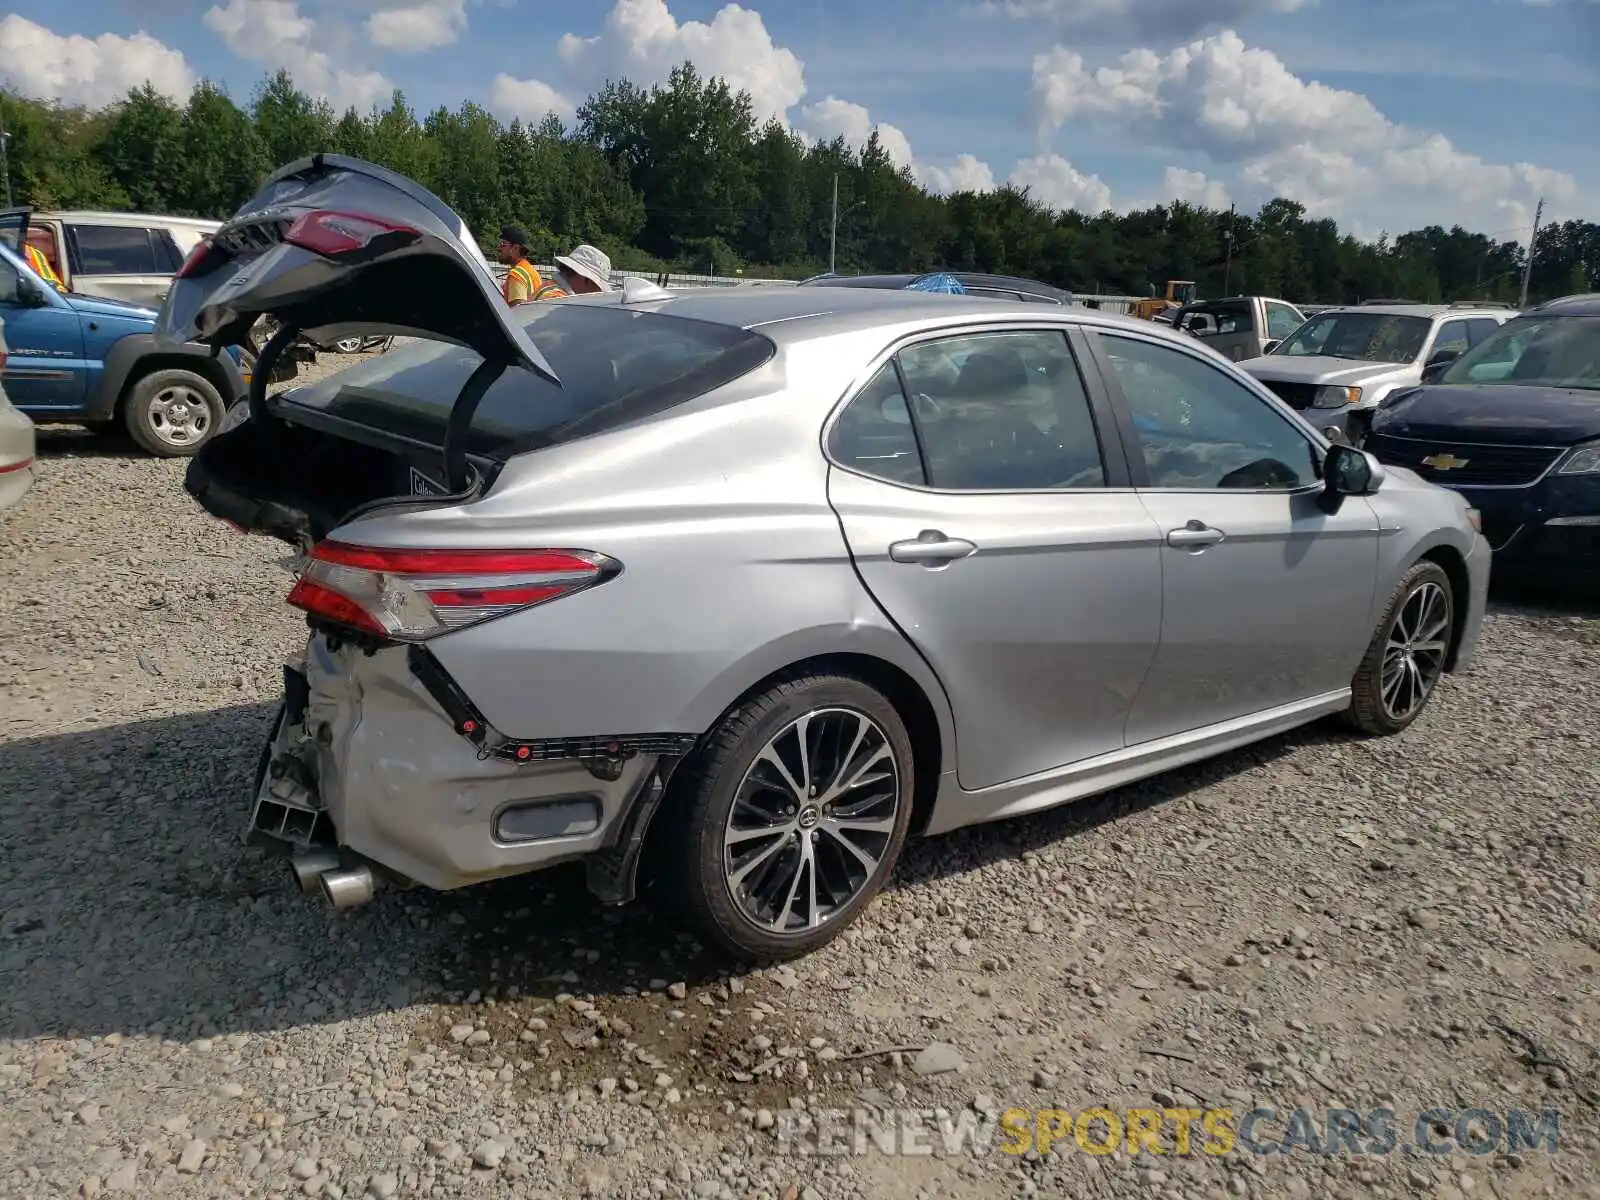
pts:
[909, 700]
[1454, 566]
[204, 366]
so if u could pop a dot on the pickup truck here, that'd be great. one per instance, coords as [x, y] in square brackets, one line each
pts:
[91, 361]
[1239, 327]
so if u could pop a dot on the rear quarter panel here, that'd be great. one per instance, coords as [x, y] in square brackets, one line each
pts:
[734, 565]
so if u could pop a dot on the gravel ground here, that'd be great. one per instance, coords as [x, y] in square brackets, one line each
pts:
[1316, 922]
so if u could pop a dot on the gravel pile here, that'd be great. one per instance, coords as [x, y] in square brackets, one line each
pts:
[1315, 922]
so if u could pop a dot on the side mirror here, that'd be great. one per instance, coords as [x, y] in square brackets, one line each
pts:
[1347, 471]
[1438, 364]
[1271, 344]
[30, 292]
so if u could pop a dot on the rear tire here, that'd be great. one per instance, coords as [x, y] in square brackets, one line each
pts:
[773, 851]
[1405, 660]
[172, 413]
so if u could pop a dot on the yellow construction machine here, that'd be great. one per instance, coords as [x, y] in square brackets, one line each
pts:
[1179, 293]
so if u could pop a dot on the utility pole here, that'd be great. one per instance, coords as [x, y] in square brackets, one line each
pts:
[1227, 268]
[1527, 267]
[5, 157]
[833, 225]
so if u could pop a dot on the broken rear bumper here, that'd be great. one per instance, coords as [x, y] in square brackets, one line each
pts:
[365, 760]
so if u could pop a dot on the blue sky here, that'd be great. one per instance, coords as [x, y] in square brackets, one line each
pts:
[1384, 116]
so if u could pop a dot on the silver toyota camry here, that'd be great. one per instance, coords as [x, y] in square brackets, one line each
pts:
[735, 591]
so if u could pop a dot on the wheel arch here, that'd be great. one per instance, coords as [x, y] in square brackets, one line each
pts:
[1454, 564]
[207, 368]
[926, 717]
[924, 711]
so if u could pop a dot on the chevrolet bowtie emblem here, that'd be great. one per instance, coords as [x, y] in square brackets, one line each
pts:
[1444, 462]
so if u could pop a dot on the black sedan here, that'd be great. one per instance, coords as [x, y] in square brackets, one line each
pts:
[1003, 287]
[1514, 425]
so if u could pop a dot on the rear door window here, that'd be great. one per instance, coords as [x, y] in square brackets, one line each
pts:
[1232, 318]
[1014, 417]
[874, 436]
[113, 250]
[616, 366]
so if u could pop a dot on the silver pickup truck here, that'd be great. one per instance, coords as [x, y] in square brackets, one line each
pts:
[1339, 366]
[1239, 327]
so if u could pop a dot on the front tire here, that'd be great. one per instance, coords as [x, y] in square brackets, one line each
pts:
[792, 816]
[172, 413]
[1405, 660]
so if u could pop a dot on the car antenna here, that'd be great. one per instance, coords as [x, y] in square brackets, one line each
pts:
[642, 291]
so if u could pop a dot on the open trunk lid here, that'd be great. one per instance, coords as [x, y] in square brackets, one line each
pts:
[14, 228]
[335, 247]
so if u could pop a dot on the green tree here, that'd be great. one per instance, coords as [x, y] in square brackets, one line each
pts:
[289, 123]
[396, 141]
[680, 176]
[223, 162]
[142, 150]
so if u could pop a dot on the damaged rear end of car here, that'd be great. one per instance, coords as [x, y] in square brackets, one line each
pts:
[385, 763]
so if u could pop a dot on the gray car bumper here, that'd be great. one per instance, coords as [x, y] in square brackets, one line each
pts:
[370, 766]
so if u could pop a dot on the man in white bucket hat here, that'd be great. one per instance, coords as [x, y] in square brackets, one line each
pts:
[587, 269]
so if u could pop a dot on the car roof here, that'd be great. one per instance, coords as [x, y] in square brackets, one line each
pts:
[1015, 283]
[861, 281]
[793, 314]
[1421, 310]
[1585, 305]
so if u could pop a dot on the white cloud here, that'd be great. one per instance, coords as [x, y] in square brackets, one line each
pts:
[831, 117]
[1052, 180]
[276, 34]
[967, 173]
[642, 41]
[1332, 150]
[94, 71]
[527, 100]
[1163, 21]
[1194, 187]
[413, 28]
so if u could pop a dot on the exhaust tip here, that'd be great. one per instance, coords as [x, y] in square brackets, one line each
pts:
[309, 868]
[347, 887]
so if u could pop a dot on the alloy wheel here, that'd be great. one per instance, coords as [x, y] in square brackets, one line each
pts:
[1414, 654]
[812, 820]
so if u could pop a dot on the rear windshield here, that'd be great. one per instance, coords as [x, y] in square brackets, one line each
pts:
[616, 366]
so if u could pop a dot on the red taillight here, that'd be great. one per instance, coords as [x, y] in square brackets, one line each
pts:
[335, 234]
[3, 356]
[412, 595]
[196, 259]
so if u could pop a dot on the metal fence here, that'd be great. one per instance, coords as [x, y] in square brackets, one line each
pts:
[673, 279]
[663, 278]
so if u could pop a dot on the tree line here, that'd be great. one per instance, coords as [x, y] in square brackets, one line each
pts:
[681, 177]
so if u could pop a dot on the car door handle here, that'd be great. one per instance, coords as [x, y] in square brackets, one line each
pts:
[931, 548]
[1196, 535]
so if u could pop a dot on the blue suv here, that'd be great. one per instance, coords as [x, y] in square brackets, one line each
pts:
[94, 362]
